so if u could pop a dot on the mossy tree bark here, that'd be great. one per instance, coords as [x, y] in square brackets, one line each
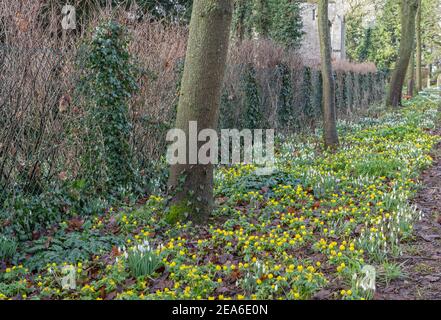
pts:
[191, 185]
[329, 113]
[408, 13]
[419, 76]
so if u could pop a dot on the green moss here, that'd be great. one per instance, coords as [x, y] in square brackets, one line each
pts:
[178, 212]
[185, 210]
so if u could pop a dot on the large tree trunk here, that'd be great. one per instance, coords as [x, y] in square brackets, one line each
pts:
[419, 76]
[329, 114]
[191, 185]
[408, 12]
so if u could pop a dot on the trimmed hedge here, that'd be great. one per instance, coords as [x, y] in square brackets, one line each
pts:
[291, 100]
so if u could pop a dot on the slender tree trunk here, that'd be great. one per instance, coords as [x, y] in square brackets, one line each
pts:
[419, 76]
[429, 76]
[329, 114]
[191, 185]
[408, 12]
[411, 76]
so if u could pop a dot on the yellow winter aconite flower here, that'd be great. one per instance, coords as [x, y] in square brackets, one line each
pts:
[278, 237]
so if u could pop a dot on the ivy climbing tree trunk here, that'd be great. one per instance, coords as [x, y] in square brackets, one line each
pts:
[419, 76]
[261, 17]
[240, 7]
[191, 184]
[411, 76]
[329, 114]
[408, 12]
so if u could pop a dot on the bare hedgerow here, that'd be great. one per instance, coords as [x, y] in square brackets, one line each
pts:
[347, 66]
[159, 48]
[34, 94]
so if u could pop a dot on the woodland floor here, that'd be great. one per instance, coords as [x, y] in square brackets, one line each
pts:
[421, 259]
[306, 232]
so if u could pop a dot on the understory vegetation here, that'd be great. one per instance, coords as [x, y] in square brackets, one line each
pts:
[318, 225]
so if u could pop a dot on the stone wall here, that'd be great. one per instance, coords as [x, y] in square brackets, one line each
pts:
[310, 49]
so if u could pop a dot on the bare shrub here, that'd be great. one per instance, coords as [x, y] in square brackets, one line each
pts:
[159, 48]
[347, 66]
[34, 81]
